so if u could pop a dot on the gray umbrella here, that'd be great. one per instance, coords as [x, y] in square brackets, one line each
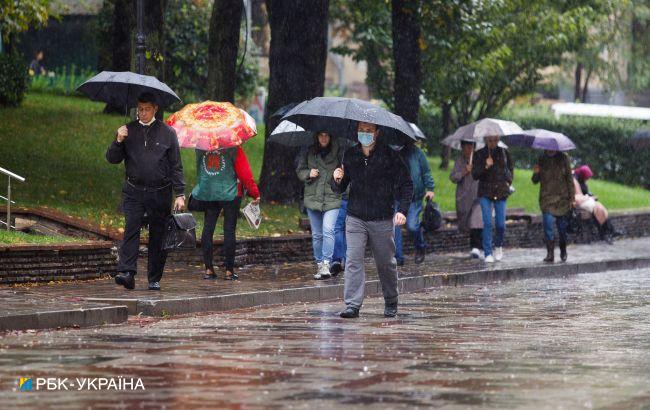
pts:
[123, 88]
[478, 130]
[292, 135]
[339, 117]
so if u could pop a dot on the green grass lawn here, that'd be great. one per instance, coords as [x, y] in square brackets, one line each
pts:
[14, 238]
[58, 144]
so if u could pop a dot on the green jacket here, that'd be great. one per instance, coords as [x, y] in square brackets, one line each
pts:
[556, 191]
[216, 177]
[318, 193]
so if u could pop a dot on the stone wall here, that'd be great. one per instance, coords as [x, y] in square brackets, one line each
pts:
[43, 263]
[521, 232]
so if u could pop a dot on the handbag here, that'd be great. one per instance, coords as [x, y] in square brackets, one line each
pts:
[180, 232]
[432, 219]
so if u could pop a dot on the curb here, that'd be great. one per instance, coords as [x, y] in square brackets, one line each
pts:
[65, 318]
[181, 306]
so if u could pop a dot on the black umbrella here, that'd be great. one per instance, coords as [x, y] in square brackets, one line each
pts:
[641, 139]
[281, 111]
[122, 89]
[339, 117]
[293, 135]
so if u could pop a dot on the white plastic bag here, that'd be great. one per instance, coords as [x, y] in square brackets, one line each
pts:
[252, 214]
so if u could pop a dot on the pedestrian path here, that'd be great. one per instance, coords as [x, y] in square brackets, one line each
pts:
[184, 291]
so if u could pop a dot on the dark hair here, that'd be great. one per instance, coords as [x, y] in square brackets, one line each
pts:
[463, 143]
[147, 97]
[317, 149]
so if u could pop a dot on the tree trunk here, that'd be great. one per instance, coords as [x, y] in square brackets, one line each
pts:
[446, 128]
[406, 54]
[577, 82]
[297, 58]
[585, 87]
[122, 27]
[222, 49]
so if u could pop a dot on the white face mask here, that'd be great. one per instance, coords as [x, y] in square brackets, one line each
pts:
[147, 123]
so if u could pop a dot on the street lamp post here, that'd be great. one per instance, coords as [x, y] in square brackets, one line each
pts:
[139, 37]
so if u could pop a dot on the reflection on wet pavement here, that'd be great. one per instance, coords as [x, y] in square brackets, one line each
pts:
[581, 341]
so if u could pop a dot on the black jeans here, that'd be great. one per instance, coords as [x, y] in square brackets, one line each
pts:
[157, 205]
[476, 238]
[230, 215]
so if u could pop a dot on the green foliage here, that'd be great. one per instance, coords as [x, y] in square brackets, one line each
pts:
[187, 25]
[12, 237]
[20, 16]
[13, 79]
[639, 64]
[62, 82]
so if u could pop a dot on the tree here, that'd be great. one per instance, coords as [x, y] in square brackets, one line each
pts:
[154, 28]
[115, 40]
[20, 16]
[406, 55]
[297, 58]
[222, 49]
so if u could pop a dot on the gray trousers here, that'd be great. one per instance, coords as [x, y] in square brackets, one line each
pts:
[381, 237]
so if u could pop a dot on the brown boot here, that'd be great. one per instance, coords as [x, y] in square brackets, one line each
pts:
[550, 251]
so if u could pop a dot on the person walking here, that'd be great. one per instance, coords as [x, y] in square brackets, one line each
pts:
[468, 209]
[556, 198]
[340, 245]
[423, 186]
[222, 177]
[376, 175]
[494, 170]
[154, 174]
[315, 169]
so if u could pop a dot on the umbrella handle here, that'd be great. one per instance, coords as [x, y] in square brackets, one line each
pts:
[471, 157]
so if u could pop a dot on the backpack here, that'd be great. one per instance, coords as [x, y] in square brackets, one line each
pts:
[432, 219]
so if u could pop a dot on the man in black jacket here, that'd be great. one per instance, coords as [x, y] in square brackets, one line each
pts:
[150, 151]
[377, 177]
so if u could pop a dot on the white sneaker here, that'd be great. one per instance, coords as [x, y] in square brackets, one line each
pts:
[324, 270]
[475, 253]
[319, 270]
[498, 253]
[489, 259]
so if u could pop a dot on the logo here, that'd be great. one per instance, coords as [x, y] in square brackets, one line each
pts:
[25, 384]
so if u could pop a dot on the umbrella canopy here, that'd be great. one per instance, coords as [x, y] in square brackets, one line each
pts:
[123, 88]
[478, 130]
[212, 125]
[283, 110]
[417, 131]
[541, 139]
[293, 135]
[641, 139]
[340, 116]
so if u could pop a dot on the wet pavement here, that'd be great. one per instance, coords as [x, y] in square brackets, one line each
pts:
[577, 342]
[184, 281]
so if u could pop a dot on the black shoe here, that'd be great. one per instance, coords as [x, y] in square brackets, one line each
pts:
[419, 255]
[550, 252]
[209, 274]
[230, 275]
[350, 312]
[154, 285]
[390, 310]
[126, 279]
[563, 254]
[336, 268]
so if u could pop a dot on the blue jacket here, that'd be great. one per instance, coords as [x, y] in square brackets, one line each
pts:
[419, 170]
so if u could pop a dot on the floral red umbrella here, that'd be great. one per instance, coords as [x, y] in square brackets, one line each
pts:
[212, 125]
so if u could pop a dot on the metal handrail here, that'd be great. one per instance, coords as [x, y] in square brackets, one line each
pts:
[9, 175]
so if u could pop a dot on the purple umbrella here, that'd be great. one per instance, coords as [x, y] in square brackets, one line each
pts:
[541, 139]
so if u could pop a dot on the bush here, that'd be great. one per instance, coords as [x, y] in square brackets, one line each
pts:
[602, 143]
[13, 79]
[61, 82]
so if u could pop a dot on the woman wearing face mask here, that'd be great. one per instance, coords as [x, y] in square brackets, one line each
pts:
[556, 198]
[315, 169]
[494, 170]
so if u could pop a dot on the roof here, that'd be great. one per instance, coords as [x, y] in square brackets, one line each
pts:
[601, 110]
